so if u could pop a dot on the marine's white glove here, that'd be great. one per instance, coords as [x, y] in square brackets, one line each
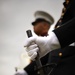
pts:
[21, 72]
[43, 45]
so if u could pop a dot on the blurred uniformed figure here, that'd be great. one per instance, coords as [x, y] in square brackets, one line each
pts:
[64, 38]
[65, 31]
[41, 26]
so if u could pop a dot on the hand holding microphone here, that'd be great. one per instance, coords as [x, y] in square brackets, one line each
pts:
[42, 45]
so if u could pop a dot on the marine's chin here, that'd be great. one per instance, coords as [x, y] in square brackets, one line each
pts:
[37, 33]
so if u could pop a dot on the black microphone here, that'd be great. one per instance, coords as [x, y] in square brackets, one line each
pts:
[29, 33]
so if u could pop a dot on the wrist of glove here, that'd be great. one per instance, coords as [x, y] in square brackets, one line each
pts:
[21, 72]
[42, 45]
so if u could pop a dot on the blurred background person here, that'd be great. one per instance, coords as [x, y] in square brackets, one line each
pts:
[41, 26]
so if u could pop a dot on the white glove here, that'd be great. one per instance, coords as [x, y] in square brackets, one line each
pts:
[43, 45]
[21, 72]
[32, 51]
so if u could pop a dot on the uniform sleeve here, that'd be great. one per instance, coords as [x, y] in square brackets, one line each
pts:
[66, 33]
[30, 69]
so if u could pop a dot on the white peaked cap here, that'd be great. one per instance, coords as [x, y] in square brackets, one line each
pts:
[44, 15]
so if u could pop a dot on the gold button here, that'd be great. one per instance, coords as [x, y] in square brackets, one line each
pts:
[67, 1]
[60, 20]
[64, 9]
[60, 54]
[57, 26]
[62, 14]
[38, 72]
